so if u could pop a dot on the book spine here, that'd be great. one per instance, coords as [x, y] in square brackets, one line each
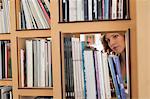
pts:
[111, 66]
[120, 80]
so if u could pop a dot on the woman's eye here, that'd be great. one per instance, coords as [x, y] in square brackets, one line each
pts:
[115, 36]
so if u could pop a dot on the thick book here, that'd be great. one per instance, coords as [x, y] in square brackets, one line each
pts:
[106, 75]
[69, 78]
[72, 10]
[29, 62]
[119, 75]
[80, 10]
[114, 77]
[90, 74]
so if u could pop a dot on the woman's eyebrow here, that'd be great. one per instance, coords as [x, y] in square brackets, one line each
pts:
[109, 36]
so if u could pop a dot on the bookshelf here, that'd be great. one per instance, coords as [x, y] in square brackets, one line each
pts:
[56, 29]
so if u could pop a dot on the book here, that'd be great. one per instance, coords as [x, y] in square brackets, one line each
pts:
[80, 10]
[22, 67]
[49, 53]
[114, 78]
[90, 74]
[119, 76]
[4, 91]
[72, 10]
[35, 63]
[42, 66]
[29, 62]
[69, 69]
[90, 17]
[106, 75]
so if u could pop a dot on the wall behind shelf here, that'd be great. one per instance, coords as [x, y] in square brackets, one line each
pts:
[143, 47]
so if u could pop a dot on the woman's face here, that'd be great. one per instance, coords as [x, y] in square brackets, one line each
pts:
[116, 42]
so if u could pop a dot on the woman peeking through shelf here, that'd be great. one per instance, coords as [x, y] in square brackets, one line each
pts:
[115, 43]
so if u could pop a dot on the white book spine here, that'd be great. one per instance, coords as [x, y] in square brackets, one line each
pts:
[80, 10]
[95, 9]
[1, 22]
[49, 63]
[35, 64]
[82, 70]
[74, 67]
[77, 67]
[72, 10]
[106, 76]
[81, 94]
[22, 66]
[114, 9]
[101, 75]
[90, 9]
[5, 16]
[29, 60]
[90, 75]
[46, 65]
[42, 65]
[38, 62]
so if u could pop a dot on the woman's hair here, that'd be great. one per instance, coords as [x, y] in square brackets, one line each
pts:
[105, 43]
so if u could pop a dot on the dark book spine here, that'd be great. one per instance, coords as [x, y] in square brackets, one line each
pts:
[86, 10]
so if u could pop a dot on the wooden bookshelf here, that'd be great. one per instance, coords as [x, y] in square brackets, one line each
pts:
[58, 27]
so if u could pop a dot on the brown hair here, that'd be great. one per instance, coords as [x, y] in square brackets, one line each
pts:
[105, 44]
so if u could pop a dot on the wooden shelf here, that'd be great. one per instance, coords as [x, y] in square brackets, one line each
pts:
[33, 33]
[5, 36]
[36, 92]
[100, 26]
[6, 82]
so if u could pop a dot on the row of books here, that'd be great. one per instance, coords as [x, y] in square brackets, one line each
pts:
[4, 16]
[87, 10]
[91, 73]
[6, 92]
[36, 64]
[5, 60]
[34, 14]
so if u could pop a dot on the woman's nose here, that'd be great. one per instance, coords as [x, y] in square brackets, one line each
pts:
[112, 42]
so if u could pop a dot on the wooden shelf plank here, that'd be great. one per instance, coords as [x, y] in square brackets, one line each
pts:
[6, 82]
[35, 92]
[33, 33]
[103, 26]
[5, 36]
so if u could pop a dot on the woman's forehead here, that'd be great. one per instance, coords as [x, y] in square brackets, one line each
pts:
[109, 35]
